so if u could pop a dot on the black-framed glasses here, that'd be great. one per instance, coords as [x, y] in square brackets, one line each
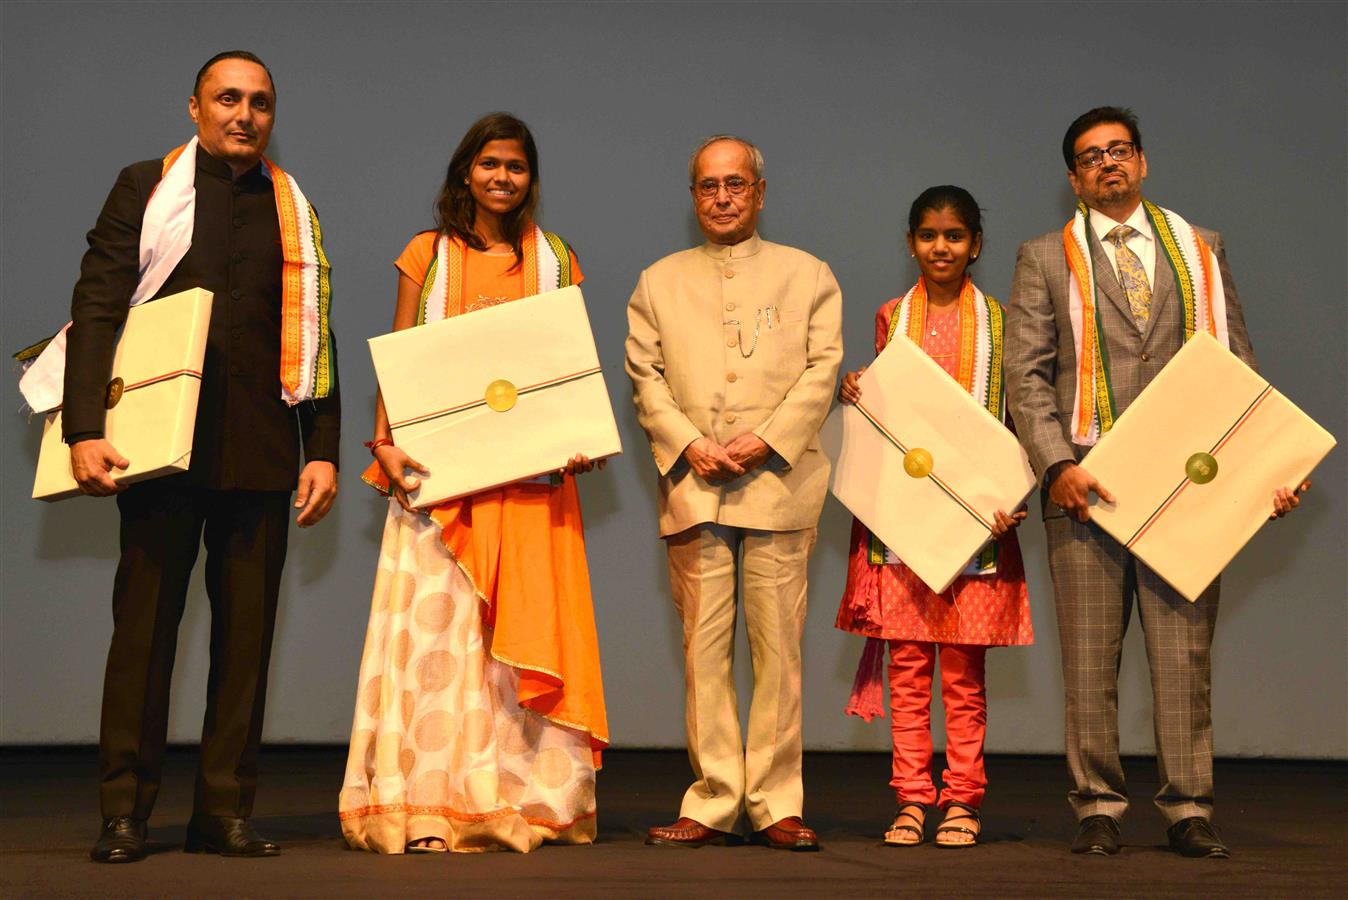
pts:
[735, 186]
[1120, 152]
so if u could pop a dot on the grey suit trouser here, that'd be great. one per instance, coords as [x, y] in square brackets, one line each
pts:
[1095, 581]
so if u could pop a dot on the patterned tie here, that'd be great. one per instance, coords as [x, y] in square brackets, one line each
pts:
[1131, 273]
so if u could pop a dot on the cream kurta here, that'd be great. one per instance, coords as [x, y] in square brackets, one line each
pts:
[728, 339]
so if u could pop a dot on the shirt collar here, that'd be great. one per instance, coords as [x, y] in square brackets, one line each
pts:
[743, 249]
[1102, 224]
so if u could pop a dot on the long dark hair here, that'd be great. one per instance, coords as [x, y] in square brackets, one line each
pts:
[455, 209]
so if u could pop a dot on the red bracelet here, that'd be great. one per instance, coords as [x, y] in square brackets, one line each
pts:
[377, 443]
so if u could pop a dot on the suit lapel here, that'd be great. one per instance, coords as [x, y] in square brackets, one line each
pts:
[1162, 292]
[1106, 280]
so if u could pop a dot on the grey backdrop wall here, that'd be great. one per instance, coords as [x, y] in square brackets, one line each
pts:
[857, 107]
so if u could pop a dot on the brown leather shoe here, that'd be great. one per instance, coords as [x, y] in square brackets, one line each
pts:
[788, 834]
[689, 833]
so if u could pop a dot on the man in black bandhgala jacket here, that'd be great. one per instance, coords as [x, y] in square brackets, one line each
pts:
[266, 271]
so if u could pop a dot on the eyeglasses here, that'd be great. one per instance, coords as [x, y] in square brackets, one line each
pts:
[734, 186]
[1120, 152]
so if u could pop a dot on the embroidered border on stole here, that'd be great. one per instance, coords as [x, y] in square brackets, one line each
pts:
[442, 285]
[1203, 302]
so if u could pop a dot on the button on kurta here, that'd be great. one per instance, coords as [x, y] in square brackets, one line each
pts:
[236, 258]
[730, 418]
[730, 307]
[1145, 357]
[729, 272]
[237, 293]
[730, 343]
[731, 377]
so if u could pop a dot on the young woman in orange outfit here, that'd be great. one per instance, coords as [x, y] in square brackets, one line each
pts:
[480, 714]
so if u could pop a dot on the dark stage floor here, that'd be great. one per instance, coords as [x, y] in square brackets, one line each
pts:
[1285, 822]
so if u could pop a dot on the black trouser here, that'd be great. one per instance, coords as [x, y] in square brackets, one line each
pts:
[161, 531]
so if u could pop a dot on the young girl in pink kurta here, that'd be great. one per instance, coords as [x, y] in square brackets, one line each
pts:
[884, 600]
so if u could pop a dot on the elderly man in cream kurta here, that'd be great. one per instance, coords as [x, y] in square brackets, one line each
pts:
[733, 352]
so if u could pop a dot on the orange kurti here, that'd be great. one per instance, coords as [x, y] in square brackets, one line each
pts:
[523, 546]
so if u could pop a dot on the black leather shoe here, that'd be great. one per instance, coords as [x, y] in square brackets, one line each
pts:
[1097, 835]
[1195, 837]
[227, 836]
[122, 841]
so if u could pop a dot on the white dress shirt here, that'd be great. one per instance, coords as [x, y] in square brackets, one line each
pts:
[1143, 241]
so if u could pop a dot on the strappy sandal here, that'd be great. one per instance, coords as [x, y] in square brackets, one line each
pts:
[898, 828]
[946, 826]
[424, 845]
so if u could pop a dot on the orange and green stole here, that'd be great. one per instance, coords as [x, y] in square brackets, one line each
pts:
[165, 237]
[306, 288]
[546, 266]
[1199, 283]
[979, 372]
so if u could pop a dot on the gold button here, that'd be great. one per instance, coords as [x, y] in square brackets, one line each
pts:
[731, 377]
[729, 272]
[730, 307]
[730, 343]
[730, 418]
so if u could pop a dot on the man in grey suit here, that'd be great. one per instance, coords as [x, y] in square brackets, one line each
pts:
[1140, 316]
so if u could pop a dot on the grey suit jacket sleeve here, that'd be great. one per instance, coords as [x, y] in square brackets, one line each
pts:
[1031, 361]
[1235, 316]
